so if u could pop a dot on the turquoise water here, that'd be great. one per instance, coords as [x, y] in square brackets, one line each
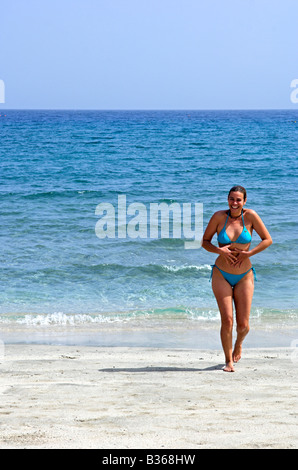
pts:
[57, 166]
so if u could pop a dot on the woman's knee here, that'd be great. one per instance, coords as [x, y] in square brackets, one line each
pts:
[242, 327]
[227, 322]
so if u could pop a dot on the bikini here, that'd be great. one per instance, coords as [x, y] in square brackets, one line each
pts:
[223, 239]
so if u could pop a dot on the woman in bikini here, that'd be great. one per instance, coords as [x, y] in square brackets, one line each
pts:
[233, 274]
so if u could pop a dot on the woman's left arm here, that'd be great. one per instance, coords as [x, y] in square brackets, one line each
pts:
[259, 226]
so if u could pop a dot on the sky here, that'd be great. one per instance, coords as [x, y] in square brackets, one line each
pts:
[148, 54]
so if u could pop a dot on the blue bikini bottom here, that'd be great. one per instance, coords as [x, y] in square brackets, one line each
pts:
[232, 279]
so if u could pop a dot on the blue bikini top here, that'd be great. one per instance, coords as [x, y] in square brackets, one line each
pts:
[244, 237]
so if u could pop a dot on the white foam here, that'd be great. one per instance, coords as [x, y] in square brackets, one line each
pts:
[173, 268]
[60, 318]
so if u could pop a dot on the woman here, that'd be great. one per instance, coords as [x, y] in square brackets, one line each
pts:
[233, 274]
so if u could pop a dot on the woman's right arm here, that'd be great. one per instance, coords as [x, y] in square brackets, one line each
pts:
[208, 235]
[211, 229]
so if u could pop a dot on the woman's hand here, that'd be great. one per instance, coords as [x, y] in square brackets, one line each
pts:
[228, 254]
[241, 256]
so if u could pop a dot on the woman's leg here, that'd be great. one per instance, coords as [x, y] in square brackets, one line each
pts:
[224, 296]
[243, 294]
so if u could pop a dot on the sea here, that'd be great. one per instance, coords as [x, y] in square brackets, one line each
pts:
[74, 272]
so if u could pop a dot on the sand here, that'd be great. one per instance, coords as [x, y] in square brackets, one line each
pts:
[145, 398]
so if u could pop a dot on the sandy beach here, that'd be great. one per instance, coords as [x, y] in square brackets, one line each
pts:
[146, 398]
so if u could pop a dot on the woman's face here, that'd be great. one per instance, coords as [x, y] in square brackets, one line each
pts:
[236, 202]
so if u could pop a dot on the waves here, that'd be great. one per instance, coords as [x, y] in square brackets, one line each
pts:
[133, 316]
[265, 318]
[152, 269]
[59, 318]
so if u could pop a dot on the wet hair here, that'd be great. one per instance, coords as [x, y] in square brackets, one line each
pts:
[240, 189]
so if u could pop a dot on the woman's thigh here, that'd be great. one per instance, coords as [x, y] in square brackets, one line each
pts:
[224, 296]
[243, 294]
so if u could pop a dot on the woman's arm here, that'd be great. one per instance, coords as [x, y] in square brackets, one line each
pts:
[266, 240]
[259, 227]
[207, 237]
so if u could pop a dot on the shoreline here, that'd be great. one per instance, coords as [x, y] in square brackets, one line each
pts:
[140, 398]
[165, 333]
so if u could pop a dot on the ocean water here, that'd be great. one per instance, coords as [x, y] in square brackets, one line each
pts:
[56, 167]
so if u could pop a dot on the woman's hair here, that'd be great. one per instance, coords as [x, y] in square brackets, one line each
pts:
[240, 189]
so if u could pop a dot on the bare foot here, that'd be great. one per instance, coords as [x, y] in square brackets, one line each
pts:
[229, 367]
[237, 352]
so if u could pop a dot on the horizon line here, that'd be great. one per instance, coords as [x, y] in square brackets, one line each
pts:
[147, 109]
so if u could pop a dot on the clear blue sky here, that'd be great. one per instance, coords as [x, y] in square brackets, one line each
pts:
[148, 54]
